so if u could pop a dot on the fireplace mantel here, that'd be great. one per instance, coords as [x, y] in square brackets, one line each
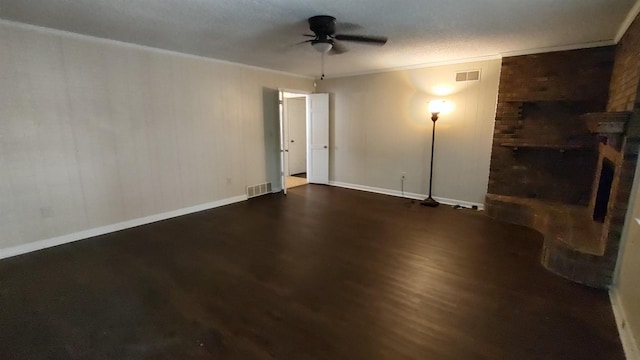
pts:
[606, 122]
[516, 144]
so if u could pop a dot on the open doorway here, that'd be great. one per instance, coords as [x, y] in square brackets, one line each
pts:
[294, 136]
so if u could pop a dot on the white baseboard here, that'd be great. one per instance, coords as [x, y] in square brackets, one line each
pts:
[629, 344]
[64, 239]
[407, 195]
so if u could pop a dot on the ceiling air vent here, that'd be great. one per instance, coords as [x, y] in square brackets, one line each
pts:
[471, 75]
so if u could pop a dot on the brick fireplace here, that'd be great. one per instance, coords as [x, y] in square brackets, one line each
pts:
[563, 157]
[541, 147]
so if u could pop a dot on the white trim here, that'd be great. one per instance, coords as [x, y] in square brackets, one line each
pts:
[633, 13]
[70, 34]
[629, 344]
[295, 92]
[480, 58]
[407, 195]
[85, 234]
[418, 66]
[143, 47]
[558, 48]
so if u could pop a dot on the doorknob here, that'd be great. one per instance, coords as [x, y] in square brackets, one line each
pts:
[292, 141]
[325, 146]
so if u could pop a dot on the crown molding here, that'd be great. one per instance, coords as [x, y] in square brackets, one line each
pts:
[559, 48]
[633, 13]
[96, 39]
[480, 58]
[417, 66]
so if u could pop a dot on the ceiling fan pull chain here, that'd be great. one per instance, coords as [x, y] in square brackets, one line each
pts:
[322, 61]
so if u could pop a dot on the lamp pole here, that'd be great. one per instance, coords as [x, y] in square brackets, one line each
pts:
[429, 201]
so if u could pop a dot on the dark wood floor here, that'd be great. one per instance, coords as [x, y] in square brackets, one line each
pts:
[325, 273]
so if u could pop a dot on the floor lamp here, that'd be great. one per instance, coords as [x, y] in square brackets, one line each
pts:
[435, 107]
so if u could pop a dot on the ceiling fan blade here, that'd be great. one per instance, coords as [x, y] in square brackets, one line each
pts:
[302, 42]
[308, 35]
[346, 26]
[338, 48]
[372, 40]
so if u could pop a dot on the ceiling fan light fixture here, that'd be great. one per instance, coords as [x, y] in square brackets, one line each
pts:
[322, 46]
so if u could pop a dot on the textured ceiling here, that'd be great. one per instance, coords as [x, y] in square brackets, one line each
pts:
[264, 33]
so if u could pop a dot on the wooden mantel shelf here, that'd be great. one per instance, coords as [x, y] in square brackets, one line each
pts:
[516, 145]
[606, 122]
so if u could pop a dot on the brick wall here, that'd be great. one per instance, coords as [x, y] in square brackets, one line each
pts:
[623, 96]
[539, 100]
[564, 75]
[623, 89]
[568, 83]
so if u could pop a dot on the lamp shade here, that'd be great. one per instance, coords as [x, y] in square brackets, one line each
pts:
[322, 46]
[436, 106]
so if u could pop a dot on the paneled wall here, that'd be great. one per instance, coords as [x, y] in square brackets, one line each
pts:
[94, 132]
[381, 128]
[624, 95]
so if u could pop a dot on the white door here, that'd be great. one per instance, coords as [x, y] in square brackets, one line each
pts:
[318, 139]
[284, 158]
[296, 118]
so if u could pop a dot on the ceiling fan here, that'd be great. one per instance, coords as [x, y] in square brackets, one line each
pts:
[325, 40]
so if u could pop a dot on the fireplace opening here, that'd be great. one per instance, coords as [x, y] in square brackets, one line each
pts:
[604, 190]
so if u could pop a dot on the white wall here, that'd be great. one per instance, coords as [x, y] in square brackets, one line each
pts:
[381, 127]
[95, 132]
[626, 292]
[296, 121]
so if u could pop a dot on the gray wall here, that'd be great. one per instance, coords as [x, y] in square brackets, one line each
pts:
[381, 127]
[296, 120]
[94, 132]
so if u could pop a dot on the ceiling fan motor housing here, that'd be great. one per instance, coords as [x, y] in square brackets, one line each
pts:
[323, 25]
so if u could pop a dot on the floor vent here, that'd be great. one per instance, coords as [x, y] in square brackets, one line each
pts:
[257, 190]
[471, 75]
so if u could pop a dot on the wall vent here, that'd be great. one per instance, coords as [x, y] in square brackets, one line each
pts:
[257, 190]
[471, 75]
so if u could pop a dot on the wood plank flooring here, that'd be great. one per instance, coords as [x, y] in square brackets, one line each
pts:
[325, 273]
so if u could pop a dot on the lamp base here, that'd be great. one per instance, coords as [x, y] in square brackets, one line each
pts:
[429, 202]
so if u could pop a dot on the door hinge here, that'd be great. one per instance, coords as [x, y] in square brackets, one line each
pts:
[280, 102]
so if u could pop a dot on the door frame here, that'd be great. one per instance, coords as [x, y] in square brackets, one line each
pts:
[284, 131]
